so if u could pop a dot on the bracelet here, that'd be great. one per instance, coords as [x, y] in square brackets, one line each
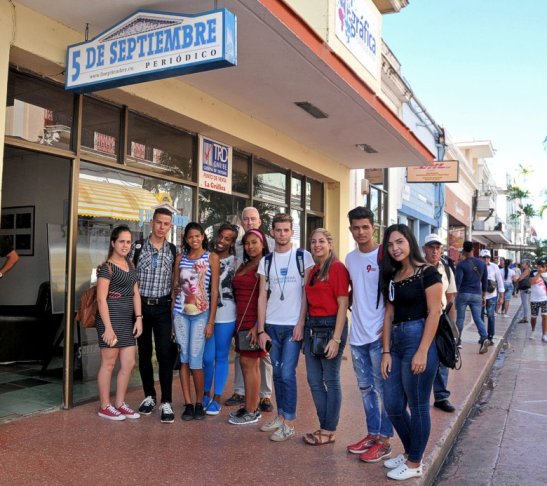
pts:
[260, 332]
[337, 341]
[386, 352]
[141, 316]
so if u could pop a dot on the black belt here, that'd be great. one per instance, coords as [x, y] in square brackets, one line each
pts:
[156, 301]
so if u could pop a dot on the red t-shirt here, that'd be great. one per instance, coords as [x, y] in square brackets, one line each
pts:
[322, 295]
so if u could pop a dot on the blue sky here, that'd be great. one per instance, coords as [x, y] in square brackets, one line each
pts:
[480, 69]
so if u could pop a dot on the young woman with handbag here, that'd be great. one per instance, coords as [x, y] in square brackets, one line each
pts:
[413, 292]
[246, 287]
[119, 324]
[195, 284]
[217, 347]
[325, 334]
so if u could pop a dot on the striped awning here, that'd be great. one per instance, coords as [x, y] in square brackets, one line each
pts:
[107, 200]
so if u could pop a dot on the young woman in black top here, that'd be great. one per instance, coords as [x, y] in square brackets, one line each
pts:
[412, 291]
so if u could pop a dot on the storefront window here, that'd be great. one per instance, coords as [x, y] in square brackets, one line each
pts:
[296, 191]
[160, 148]
[100, 128]
[38, 112]
[314, 195]
[240, 173]
[216, 208]
[297, 228]
[270, 182]
[267, 211]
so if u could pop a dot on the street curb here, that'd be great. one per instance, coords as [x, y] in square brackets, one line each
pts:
[442, 448]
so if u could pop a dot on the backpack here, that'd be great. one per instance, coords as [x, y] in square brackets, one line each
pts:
[447, 342]
[299, 263]
[448, 265]
[138, 249]
[87, 312]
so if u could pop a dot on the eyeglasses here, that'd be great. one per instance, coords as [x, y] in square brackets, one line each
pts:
[154, 260]
[314, 276]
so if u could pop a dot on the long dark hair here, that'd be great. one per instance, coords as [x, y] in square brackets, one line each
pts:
[507, 267]
[262, 236]
[388, 266]
[114, 237]
[194, 226]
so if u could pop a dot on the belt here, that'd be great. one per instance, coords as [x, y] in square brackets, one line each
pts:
[156, 301]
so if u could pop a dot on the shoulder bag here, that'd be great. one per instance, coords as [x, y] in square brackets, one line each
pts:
[87, 312]
[242, 335]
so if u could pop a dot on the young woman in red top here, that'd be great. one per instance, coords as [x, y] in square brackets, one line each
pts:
[246, 290]
[327, 299]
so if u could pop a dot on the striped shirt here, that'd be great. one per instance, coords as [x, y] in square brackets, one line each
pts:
[194, 280]
[154, 270]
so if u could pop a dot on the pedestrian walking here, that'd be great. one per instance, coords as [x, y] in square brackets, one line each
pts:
[217, 347]
[118, 322]
[281, 320]
[472, 283]
[523, 286]
[325, 334]
[509, 278]
[365, 339]
[538, 298]
[413, 291]
[196, 279]
[246, 290]
[154, 260]
[494, 288]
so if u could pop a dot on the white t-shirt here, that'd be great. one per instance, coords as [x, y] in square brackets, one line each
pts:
[366, 320]
[538, 290]
[510, 275]
[285, 280]
[494, 273]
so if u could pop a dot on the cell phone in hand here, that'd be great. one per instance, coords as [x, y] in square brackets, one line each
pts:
[268, 345]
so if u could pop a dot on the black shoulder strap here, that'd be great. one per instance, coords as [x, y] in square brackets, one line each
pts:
[137, 253]
[446, 269]
[300, 262]
[268, 265]
[173, 249]
[379, 290]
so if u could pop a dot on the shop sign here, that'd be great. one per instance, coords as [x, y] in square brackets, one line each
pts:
[357, 28]
[215, 165]
[150, 45]
[445, 171]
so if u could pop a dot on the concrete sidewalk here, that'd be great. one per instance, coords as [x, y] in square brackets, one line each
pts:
[77, 447]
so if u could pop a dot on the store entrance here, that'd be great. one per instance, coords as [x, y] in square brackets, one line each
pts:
[34, 219]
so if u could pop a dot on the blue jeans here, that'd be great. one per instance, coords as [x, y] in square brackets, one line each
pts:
[475, 302]
[367, 359]
[190, 335]
[440, 392]
[284, 354]
[215, 357]
[324, 381]
[404, 389]
[490, 311]
[525, 299]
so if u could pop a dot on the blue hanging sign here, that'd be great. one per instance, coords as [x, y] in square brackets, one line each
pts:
[150, 45]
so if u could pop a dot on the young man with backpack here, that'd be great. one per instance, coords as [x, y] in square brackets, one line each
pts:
[154, 258]
[281, 314]
[367, 321]
[433, 250]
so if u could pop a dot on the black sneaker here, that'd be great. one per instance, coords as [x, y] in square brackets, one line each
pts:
[484, 347]
[147, 405]
[167, 415]
[238, 413]
[445, 406]
[199, 412]
[235, 399]
[188, 413]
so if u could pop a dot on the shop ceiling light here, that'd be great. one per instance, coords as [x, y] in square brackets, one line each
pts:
[365, 147]
[311, 109]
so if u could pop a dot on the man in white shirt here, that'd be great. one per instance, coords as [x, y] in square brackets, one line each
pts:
[250, 219]
[495, 286]
[365, 339]
[281, 314]
[433, 250]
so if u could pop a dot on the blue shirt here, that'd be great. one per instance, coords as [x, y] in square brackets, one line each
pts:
[471, 276]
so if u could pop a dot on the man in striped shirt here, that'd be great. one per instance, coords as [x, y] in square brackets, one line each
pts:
[154, 258]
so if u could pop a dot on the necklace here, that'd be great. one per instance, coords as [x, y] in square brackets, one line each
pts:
[282, 289]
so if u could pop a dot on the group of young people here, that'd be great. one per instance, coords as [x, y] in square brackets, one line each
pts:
[275, 301]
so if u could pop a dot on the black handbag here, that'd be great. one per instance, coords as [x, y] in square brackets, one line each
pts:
[446, 341]
[243, 340]
[524, 284]
[319, 338]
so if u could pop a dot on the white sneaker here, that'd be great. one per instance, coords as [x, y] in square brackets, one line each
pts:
[395, 462]
[544, 338]
[283, 433]
[531, 337]
[404, 472]
[272, 425]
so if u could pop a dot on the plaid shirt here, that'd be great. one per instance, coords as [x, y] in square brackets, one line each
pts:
[154, 269]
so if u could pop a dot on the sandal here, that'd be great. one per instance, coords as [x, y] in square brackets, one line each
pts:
[316, 438]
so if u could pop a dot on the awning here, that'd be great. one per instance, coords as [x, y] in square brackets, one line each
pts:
[491, 238]
[108, 200]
